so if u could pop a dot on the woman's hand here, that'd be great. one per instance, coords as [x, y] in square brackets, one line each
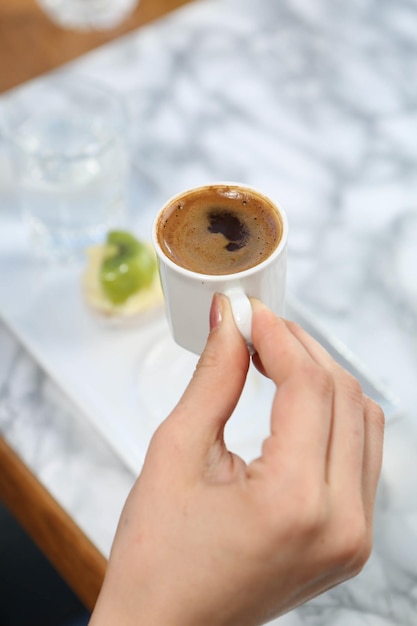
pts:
[206, 539]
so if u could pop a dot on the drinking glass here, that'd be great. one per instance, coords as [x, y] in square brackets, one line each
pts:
[67, 139]
[88, 14]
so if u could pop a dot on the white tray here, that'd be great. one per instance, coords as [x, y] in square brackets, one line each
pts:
[125, 380]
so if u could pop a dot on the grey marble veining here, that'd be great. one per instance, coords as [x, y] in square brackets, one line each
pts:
[316, 104]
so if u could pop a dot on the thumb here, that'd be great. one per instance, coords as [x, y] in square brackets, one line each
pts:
[217, 383]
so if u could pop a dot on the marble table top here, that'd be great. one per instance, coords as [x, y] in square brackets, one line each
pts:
[315, 103]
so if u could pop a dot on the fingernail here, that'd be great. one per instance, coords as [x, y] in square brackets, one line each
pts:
[216, 312]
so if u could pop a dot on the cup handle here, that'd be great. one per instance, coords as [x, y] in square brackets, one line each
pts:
[242, 313]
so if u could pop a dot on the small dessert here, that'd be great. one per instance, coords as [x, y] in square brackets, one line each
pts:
[121, 279]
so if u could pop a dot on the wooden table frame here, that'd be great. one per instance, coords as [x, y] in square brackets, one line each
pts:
[73, 555]
[30, 44]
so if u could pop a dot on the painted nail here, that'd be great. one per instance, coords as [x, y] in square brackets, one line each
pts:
[216, 312]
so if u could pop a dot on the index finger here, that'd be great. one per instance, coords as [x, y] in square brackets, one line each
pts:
[301, 415]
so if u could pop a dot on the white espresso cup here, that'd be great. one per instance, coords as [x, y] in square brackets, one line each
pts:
[189, 293]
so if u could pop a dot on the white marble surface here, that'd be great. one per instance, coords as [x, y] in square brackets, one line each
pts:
[316, 103]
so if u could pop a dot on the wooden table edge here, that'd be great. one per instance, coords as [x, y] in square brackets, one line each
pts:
[69, 550]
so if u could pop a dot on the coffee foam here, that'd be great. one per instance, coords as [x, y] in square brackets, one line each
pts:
[219, 230]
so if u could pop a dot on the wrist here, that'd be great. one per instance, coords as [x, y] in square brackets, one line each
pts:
[129, 604]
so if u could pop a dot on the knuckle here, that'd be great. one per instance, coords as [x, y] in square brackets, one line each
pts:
[217, 358]
[375, 414]
[352, 387]
[160, 439]
[359, 550]
[210, 358]
[314, 515]
[166, 441]
[307, 516]
[354, 539]
[266, 333]
[295, 328]
[354, 545]
[319, 378]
